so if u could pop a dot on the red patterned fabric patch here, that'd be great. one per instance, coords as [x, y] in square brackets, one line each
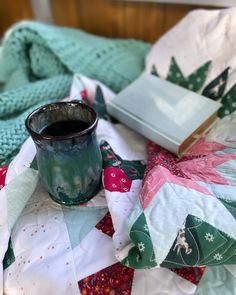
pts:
[159, 156]
[105, 225]
[115, 180]
[192, 274]
[113, 280]
[3, 172]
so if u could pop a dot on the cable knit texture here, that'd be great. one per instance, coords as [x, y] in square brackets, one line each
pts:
[37, 62]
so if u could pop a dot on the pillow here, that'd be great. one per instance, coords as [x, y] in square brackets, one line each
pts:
[199, 54]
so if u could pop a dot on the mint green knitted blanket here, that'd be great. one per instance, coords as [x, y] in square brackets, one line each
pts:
[37, 62]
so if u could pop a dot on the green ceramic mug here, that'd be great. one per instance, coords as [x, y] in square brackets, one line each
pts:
[68, 155]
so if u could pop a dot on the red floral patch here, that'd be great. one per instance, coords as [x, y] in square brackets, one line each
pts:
[115, 180]
[159, 156]
[105, 225]
[3, 172]
[113, 280]
[192, 274]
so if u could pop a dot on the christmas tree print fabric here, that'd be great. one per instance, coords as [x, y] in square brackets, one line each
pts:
[190, 56]
[215, 89]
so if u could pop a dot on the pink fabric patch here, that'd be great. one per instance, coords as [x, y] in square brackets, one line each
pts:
[157, 177]
[202, 169]
[203, 147]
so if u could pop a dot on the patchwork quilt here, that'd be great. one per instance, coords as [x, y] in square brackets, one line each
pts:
[159, 224]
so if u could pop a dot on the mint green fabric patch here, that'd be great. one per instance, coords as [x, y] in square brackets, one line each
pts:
[18, 192]
[80, 221]
[217, 280]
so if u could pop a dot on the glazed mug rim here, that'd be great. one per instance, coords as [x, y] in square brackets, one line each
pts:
[39, 136]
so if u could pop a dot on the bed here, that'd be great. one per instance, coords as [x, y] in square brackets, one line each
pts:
[159, 224]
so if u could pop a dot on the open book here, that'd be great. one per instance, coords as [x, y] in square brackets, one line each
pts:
[169, 115]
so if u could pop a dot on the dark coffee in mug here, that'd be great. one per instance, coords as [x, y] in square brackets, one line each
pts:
[63, 128]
